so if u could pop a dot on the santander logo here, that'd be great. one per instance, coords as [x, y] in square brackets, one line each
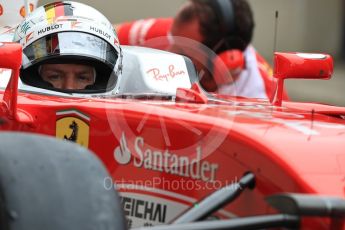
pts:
[168, 75]
[166, 161]
[122, 153]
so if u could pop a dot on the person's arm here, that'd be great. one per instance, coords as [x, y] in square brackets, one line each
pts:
[145, 32]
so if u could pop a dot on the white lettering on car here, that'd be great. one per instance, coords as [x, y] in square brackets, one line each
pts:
[166, 161]
[156, 74]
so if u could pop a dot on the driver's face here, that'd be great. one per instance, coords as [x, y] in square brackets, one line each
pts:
[68, 76]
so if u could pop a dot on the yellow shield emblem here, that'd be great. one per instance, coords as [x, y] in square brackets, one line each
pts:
[73, 129]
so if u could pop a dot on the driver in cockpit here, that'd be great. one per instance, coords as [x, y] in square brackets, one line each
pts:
[69, 47]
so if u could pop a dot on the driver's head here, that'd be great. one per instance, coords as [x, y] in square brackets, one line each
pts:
[69, 47]
[217, 29]
[201, 21]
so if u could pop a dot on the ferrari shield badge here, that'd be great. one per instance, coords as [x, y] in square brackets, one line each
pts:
[74, 126]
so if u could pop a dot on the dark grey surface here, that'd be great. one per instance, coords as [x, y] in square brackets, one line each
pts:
[50, 184]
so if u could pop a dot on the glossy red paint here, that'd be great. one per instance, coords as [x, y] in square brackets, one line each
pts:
[302, 66]
[194, 95]
[233, 59]
[287, 149]
[13, 52]
[148, 146]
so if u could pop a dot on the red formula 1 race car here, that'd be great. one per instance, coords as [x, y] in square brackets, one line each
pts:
[176, 155]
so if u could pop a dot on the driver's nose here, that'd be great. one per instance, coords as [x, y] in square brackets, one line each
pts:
[69, 82]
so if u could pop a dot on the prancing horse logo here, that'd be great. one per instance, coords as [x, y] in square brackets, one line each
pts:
[73, 129]
[74, 135]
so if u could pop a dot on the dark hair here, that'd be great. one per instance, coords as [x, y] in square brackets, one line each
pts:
[210, 26]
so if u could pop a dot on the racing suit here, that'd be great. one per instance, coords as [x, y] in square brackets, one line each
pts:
[254, 81]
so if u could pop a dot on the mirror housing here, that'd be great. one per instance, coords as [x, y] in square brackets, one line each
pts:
[299, 66]
[193, 95]
[10, 55]
[11, 58]
[303, 66]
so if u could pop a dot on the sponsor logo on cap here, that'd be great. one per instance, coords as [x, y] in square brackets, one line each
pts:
[75, 25]
[29, 37]
[25, 27]
[22, 10]
[49, 29]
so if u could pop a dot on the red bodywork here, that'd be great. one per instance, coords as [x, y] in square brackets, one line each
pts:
[165, 156]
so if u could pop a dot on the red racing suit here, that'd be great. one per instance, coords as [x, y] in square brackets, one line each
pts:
[255, 81]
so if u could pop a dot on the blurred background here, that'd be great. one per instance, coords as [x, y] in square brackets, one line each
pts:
[303, 25]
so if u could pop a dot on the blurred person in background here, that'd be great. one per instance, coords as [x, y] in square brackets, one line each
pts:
[224, 27]
[11, 14]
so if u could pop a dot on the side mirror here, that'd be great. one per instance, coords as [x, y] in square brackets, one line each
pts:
[300, 66]
[11, 58]
[303, 66]
[194, 94]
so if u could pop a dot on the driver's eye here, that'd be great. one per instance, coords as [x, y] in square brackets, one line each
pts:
[52, 77]
[85, 78]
